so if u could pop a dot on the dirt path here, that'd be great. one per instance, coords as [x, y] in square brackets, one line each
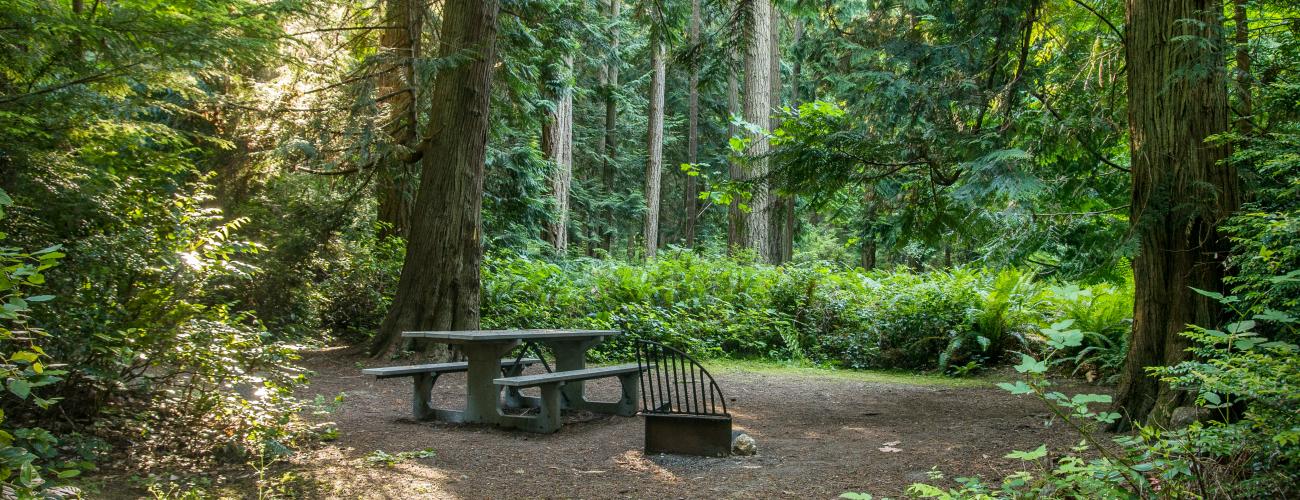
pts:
[818, 436]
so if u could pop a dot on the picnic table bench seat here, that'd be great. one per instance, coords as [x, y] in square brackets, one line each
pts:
[452, 367]
[425, 376]
[548, 418]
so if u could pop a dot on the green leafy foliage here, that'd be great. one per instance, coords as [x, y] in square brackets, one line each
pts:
[29, 459]
[1244, 446]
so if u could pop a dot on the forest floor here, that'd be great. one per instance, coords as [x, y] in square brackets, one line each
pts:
[819, 433]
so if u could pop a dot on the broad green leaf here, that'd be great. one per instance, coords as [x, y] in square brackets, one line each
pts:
[1030, 365]
[24, 357]
[1278, 316]
[1018, 388]
[20, 388]
[1029, 455]
[1083, 399]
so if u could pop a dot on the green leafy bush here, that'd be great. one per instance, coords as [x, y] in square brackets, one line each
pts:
[955, 321]
[1244, 442]
[1104, 314]
[29, 460]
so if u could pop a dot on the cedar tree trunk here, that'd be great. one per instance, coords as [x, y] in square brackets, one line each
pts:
[654, 146]
[1182, 190]
[692, 191]
[439, 285]
[397, 85]
[557, 145]
[755, 229]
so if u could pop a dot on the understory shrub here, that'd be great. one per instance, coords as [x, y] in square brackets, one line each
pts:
[1245, 443]
[955, 321]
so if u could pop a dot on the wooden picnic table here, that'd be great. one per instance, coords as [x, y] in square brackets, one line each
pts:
[484, 350]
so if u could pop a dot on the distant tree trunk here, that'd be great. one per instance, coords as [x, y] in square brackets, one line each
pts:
[782, 230]
[1242, 41]
[758, 108]
[654, 164]
[734, 238]
[396, 177]
[609, 142]
[557, 145]
[439, 284]
[692, 191]
[1181, 192]
[868, 247]
[786, 247]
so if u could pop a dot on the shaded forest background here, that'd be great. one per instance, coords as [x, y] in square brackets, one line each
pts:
[193, 190]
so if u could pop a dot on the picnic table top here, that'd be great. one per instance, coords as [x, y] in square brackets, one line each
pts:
[499, 335]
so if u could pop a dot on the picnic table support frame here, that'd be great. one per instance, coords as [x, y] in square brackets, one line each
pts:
[572, 355]
[482, 397]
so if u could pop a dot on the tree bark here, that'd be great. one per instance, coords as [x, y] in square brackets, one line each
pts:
[781, 229]
[786, 248]
[868, 247]
[1242, 41]
[396, 178]
[557, 145]
[439, 284]
[734, 171]
[692, 191]
[609, 142]
[755, 228]
[654, 145]
[1181, 190]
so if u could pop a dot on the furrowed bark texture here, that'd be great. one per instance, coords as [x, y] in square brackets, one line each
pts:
[734, 239]
[396, 178]
[755, 228]
[654, 146]
[1177, 98]
[692, 192]
[1241, 24]
[557, 145]
[781, 231]
[439, 284]
[609, 144]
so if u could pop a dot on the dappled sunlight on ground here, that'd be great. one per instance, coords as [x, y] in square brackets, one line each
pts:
[817, 436]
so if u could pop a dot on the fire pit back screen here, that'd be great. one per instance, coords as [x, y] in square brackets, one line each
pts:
[685, 411]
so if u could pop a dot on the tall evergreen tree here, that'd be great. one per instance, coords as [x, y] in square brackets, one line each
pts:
[397, 175]
[654, 143]
[557, 145]
[692, 190]
[439, 284]
[755, 230]
[1182, 188]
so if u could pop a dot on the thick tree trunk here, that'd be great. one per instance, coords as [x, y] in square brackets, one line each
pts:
[781, 230]
[396, 179]
[1181, 191]
[692, 191]
[609, 142]
[439, 284]
[755, 228]
[734, 171]
[654, 164]
[557, 145]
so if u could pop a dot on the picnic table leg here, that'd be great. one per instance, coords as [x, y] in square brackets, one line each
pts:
[572, 355]
[482, 397]
[421, 408]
